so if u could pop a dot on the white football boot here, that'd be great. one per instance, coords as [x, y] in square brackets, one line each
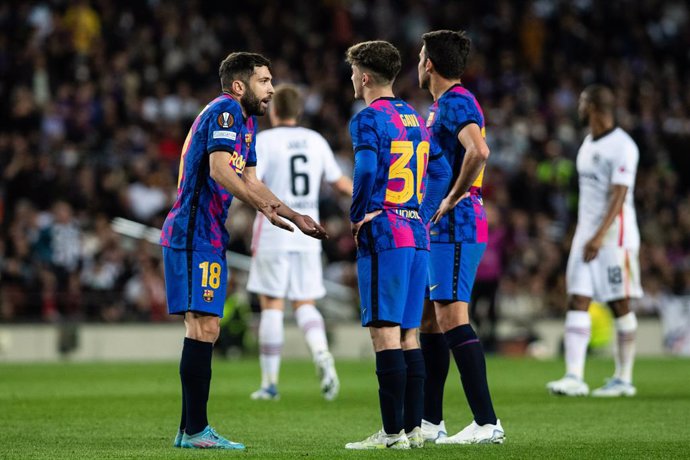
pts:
[416, 438]
[568, 386]
[615, 388]
[433, 432]
[477, 434]
[325, 367]
[381, 440]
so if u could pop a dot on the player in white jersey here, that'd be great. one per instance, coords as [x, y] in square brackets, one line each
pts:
[603, 263]
[293, 161]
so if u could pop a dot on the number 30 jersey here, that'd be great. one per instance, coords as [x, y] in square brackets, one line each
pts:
[292, 161]
[393, 129]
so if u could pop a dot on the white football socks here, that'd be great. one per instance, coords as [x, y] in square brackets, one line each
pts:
[309, 319]
[578, 329]
[624, 349]
[271, 339]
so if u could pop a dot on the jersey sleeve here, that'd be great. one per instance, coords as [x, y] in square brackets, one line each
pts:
[363, 131]
[224, 127]
[331, 170]
[625, 165]
[365, 146]
[458, 112]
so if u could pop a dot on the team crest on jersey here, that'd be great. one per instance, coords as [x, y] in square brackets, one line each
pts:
[430, 119]
[208, 295]
[248, 139]
[225, 120]
[596, 157]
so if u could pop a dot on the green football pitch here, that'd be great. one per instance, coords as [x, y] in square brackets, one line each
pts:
[124, 410]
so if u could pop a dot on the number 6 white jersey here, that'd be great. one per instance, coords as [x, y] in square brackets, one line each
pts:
[610, 159]
[291, 161]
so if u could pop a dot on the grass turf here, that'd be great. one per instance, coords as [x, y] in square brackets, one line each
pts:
[123, 410]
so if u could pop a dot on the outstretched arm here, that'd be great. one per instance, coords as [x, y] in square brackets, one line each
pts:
[222, 172]
[476, 154]
[305, 223]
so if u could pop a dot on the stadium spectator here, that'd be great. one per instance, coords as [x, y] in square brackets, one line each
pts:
[529, 59]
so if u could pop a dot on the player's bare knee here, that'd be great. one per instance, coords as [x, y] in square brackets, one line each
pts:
[409, 339]
[429, 324]
[451, 315]
[579, 303]
[620, 307]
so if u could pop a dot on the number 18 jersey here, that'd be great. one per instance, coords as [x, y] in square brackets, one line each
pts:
[395, 131]
[292, 162]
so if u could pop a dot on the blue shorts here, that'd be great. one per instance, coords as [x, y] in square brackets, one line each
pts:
[391, 286]
[452, 269]
[195, 281]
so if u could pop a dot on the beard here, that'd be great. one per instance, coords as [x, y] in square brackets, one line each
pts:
[584, 119]
[251, 103]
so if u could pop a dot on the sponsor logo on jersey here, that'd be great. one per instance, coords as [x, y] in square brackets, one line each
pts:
[431, 288]
[407, 213]
[225, 120]
[208, 295]
[225, 135]
[237, 162]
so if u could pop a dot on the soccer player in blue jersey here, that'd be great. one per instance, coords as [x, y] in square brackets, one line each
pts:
[391, 205]
[458, 240]
[218, 162]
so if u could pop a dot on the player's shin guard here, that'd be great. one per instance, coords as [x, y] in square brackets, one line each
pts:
[626, 327]
[437, 363]
[310, 320]
[469, 357]
[414, 389]
[392, 375]
[195, 372]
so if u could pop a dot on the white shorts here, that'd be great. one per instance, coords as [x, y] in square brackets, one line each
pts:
[287, 275]
[614, 274]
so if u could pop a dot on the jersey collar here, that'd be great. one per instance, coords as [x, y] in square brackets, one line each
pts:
[605, 133]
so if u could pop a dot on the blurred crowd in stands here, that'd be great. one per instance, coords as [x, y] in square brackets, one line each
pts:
[96, 98]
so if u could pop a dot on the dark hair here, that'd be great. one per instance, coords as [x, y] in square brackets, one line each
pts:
[240, 66]
[287, 102]
[601, 97]
[379, 57]
[447, 50]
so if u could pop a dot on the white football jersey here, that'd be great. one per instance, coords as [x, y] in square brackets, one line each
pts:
[608, 160]
[292, 161]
